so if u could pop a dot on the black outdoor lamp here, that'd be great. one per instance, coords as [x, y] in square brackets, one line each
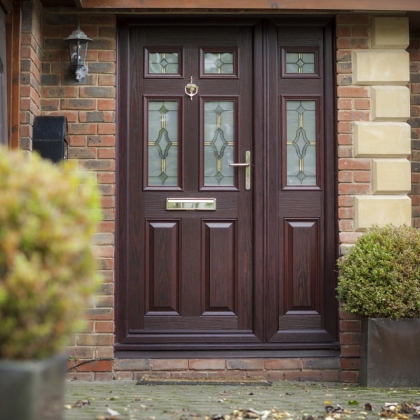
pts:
[78, 45]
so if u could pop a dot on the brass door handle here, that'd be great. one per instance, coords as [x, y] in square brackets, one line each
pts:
[247, 166]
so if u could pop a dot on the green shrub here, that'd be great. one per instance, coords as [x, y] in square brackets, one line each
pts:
[47, 268]
[380, 276]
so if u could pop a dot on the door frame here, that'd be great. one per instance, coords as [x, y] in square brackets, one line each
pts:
[264, 266]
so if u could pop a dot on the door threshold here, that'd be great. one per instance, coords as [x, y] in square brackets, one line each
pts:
[225, 354]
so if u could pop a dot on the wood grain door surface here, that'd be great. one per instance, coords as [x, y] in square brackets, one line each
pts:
[253, 273]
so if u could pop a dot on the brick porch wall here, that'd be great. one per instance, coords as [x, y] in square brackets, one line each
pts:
[30, 77]
[414, 50]
[90, 109]
[298, 369]
[354, 174]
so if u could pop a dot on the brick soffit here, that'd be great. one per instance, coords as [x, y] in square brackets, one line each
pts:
[287, 5]
[302, 5]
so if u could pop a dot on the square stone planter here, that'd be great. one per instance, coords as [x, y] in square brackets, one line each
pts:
[33, 389]
[390, 352]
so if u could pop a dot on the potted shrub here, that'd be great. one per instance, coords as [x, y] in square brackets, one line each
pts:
[47, 274]
[380, 282]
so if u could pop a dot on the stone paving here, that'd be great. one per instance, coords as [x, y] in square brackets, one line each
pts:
[182, 402]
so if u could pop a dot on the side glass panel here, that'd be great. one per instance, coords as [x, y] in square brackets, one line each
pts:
[219, 137]
[218, 63]
[163, 62]
[301, 142]
[163, 143]
[300, 62]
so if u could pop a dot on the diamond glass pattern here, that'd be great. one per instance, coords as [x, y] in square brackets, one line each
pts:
[163, 62]
[163, 143]
[219, 117]
[301, 142]
[218, 63]
[300, 62]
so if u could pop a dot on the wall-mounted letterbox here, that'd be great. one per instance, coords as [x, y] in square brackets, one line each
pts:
[50, 137]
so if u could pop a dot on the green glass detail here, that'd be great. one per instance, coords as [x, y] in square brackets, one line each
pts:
[300, 62]
[301, 142]
[163, 143]
[218, 63]
[161, 62]
[219, 134]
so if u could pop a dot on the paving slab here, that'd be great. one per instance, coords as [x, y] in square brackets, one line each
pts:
[196, 401]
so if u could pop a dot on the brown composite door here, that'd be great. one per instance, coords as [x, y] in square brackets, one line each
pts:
[212, 256]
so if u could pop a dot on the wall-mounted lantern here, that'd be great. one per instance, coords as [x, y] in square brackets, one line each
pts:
[78, 45]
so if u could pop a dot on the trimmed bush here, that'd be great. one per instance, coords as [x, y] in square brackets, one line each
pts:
[380, 276]
[48, 215]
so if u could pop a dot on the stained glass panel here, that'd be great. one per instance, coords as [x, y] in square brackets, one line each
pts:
[163, 143]
[301, 142]
[300, 62]
[219, 137]
[163, 62]
[219, 63]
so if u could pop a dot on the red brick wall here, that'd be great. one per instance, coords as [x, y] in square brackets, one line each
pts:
[298, 369]
[90, 110]
[353, 103]
[354, 176]
[30, 78]
[414, 121]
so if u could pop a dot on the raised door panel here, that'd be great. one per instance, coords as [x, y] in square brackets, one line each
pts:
[162, 267]
[219, 266]
[302, 244]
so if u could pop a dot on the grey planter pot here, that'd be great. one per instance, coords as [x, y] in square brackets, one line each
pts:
[32, 390]
[390, 352]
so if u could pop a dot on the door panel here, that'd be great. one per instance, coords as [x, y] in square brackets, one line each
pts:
[258, 271]
[218, 268]
[162, 267]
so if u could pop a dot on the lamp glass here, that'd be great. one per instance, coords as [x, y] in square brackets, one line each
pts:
[77, 50]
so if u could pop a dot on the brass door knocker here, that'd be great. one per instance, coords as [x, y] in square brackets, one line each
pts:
[191, 88]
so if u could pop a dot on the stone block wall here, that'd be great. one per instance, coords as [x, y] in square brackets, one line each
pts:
[373, 136]
[373, 140]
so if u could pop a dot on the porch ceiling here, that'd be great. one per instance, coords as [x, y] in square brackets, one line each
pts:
[58, 3]
[350, 5]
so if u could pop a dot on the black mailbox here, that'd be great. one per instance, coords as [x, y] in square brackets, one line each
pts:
[50, 137]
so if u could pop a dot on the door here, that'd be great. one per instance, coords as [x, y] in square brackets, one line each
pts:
[215, 249]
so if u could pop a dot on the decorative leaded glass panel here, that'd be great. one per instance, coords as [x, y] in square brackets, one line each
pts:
[301, 142]
[219, 136]
[219, 63]
[161, 62]
[300, 62]
[163, 143]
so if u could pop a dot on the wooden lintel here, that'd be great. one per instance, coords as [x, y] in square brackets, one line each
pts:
[345, 5]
